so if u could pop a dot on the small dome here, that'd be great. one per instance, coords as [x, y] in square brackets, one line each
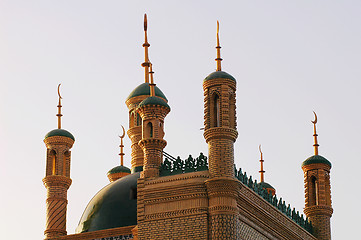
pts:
[113, 206]
[265, 185]
[119, 169]
[219, 74]
[316, 159]
[59, 132]
[144, 89]
[154, 101]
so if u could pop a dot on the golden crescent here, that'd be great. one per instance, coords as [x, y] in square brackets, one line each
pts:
[315, 121]
[59, 91]
[259, 147]
[145, 22]
[217, 27]
[123, 132]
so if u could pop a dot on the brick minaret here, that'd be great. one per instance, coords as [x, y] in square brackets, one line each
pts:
[153, 110]
[318, 207]
[220, 133]
[57, 178]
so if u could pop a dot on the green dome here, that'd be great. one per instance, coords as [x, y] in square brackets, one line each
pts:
[153, 101]
[219, 74]
[316, 159]
[144, 89]
[119, 169]
[59, 132]
[113, 206]
[265, 185]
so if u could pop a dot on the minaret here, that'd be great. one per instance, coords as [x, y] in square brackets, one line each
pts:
[153, 110]
[318, 207]
[121, 170]
[136, 96]
[220, 133]
[262, 183]
[57, 177]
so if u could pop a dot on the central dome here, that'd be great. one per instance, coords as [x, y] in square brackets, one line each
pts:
[113, 206]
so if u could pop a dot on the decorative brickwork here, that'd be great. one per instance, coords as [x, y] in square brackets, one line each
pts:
[318, 206]
[57, 182]
[121, 233]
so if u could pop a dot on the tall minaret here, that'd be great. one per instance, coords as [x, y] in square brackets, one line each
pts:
[220, 133]
[57, 177]
[318, 207]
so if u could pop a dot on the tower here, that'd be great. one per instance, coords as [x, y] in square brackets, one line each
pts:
[57, 177]
[153, 110]
[220, 133]
[121, 170]
[318, 207]
[135, 97]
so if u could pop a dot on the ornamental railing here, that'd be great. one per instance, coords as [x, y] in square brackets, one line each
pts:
[277, 203]
[172, 165]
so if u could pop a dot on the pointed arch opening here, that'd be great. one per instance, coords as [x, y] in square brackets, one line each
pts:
[131, 120]
[53, 162]
[215, 116]
[149, 130]
[314, 191]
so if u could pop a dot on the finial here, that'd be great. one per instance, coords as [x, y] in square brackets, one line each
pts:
[218, 59]
[315, 134]
[261, 161]
[59, 115]
[152, 84]
[121, 154]
[146, 45]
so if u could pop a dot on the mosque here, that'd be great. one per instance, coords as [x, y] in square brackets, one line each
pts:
[162, 197]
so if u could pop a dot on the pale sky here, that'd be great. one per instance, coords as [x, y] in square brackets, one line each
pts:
[289, 58]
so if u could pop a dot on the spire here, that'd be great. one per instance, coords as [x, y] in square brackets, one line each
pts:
[261, 161]
[152, 84]
[218, 59]
[59, 115]
[146, 45]
[121, 154]
[315, 134]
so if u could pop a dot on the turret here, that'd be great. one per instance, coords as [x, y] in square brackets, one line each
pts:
[135, 97]
[318, 207]
[57, 177]
[220, 133]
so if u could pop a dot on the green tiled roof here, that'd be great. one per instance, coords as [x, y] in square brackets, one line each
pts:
[265, 185]
[119, 169]
[316, 159]
[113, 206]
[153, 101]
[144, 89]
[59, 132]
[219, 74]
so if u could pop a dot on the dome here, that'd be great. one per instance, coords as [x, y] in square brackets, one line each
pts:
[219, 74]
[113, 206]
[119, 169]
[144, 89]
[153, 101]
[316, 159]
[265, 185]
[59, 132]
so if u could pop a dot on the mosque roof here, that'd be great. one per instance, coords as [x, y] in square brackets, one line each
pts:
[219, 74]
[153, 101]
[144, 89]
[113, 206]
[59, 132]
[316, 159]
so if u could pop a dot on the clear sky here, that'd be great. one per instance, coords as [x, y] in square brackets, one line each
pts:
[289, 58]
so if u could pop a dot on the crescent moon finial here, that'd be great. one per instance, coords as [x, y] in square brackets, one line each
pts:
[315, 121]
[123, 132]
[59, 91]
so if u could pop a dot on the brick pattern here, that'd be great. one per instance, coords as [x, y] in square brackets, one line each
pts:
[57, 182]
[152, 149]
[248, 233]
[137, 155]
[318, 205]
[224, 227]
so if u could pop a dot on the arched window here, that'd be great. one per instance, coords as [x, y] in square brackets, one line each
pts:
[53, 162]
[131, 119]
[216, 111]
[138, 120]
[314, 192]
[150, 129]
